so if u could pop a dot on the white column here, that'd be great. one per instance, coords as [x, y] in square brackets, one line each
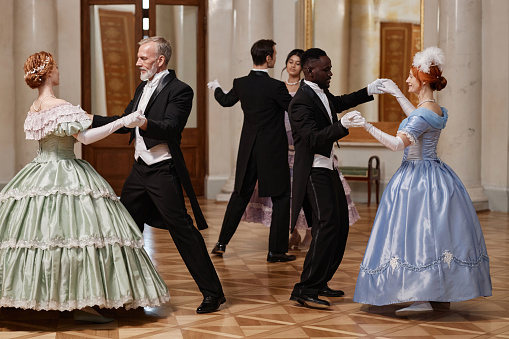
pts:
[460, 32]
[364, 55]
[331, 33]
[36, 30]
[252, 21]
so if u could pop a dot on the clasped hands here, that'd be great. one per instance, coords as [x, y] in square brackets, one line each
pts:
[353, 119]
[135, 119]
[381, 86]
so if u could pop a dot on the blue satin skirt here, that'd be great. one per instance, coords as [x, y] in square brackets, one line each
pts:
[426, 243]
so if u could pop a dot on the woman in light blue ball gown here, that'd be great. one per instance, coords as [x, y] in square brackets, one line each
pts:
[426, 244]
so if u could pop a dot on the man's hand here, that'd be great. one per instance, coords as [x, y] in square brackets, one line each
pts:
[353, 119]
[375, 87]
[135, 119]
[213, 85]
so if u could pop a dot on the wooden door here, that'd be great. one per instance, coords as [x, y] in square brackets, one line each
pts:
[398, 44]
[111, 30]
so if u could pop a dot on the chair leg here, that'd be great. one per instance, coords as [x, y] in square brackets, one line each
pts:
[377, 183]
[369, 192]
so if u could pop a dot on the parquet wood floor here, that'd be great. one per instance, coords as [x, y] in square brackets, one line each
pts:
[257, 293]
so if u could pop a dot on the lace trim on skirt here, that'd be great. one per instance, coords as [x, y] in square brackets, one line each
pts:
[447, 257]
[126, 301]
[97, 242]
[17, 194]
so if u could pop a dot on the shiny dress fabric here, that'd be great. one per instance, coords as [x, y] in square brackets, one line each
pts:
[426, 243]
[259, 209]
[66, 241]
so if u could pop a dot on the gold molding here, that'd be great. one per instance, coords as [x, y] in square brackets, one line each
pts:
[308, 23]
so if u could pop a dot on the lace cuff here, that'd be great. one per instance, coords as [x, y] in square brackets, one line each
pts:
[408, 135]
[40, 124]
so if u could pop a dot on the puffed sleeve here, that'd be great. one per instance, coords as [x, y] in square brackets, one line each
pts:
[414, 128]
[70, 128]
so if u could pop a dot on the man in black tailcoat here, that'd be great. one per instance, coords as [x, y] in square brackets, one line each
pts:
[263, 150]
[153, 191]
[316, 182]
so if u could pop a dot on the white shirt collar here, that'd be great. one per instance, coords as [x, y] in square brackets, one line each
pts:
[266, 70]
[157, 77]
[314, 86]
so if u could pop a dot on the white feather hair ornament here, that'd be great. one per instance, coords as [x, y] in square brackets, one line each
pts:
[431, 56]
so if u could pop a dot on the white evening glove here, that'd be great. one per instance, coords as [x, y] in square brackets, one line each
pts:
[95, 134]
[375, 87]
[213, 85]
[135, 119]
[394, 143]
[351, 119]
[390, 87]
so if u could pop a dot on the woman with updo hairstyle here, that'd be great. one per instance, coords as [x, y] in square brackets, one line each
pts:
[66, 241]
[259, 209]
[434, 78]
[426, 245]
[37, 67]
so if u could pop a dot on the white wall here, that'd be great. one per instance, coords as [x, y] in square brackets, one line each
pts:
[495, 103]
[7, 74]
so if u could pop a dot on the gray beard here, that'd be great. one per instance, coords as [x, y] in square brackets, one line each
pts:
[150, 73]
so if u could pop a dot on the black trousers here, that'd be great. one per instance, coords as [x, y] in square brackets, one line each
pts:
[326, 195]
[280, 222]
[157, 187]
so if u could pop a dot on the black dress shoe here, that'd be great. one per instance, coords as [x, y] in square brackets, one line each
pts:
[219, 249]
[310, 301]
[279, 257]
[210, 304]
[329, 292]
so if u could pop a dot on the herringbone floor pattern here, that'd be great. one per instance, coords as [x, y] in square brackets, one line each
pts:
[257, 295]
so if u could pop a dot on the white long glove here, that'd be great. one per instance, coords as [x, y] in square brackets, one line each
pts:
[213, 84]
[390, 87]
[375, 87]
[352, 119]
[95, 134]
[134, 120]
[394, 143]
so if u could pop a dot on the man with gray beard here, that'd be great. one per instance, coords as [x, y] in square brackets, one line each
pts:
[153, 191]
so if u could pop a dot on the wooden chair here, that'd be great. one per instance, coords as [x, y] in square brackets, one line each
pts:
[369, 174]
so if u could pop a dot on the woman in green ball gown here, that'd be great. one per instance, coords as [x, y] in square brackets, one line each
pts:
[66, 241]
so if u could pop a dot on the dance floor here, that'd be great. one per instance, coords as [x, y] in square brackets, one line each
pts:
[258, 292]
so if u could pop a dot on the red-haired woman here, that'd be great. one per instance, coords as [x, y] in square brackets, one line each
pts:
[66, 241]
[426, 244]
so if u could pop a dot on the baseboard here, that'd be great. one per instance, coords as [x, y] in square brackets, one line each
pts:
[213, 185]
[498, 198]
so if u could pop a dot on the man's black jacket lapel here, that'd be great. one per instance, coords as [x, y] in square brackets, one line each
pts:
[162, 84]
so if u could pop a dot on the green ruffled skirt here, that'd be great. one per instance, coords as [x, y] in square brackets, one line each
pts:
[66, 242]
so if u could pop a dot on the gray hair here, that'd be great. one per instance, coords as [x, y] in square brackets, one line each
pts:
[163, 47]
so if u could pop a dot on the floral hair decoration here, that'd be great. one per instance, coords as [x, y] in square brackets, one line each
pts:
[38, 69]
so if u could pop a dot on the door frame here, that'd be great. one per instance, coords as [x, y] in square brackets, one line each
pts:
[194, 141]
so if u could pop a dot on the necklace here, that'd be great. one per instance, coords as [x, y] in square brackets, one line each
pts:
[292, 83]
[40, 103]
[422, 102]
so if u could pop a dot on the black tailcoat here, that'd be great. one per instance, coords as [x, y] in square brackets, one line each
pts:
[167, 112]
[314, 133]
[264, 101]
